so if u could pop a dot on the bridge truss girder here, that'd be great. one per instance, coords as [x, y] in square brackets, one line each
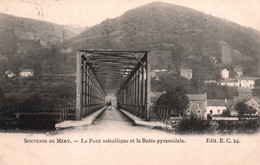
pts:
[126, 72]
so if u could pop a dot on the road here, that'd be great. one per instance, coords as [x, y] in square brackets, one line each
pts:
[113, 122]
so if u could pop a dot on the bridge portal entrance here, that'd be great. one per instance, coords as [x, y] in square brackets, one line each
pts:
[126, 74]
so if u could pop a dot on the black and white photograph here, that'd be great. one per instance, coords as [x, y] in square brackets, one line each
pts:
[129, 82]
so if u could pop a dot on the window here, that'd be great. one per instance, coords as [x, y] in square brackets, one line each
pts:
[218, 111]
[211, 111]
[198, 111]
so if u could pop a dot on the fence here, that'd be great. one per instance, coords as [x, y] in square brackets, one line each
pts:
[59, 113]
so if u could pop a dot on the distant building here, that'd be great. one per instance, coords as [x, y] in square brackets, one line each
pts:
[156, 73]
[246, 82]
[225, 73]
[231, 82]
[238, 72]
[215, 107]
[187, 73]
[243, 82]
[210, 81]
[254, 102]
[213, 60]
[198, 104]
[10, 74]
[26, 73]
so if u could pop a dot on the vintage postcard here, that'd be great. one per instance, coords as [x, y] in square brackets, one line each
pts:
[129, 82]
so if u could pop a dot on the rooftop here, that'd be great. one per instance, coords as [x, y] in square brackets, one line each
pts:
[217, 103]
[197, 97]
[156, 94]
[229, 80]
[8, 72]
[26, 70]
[255, 98]
[185, 70]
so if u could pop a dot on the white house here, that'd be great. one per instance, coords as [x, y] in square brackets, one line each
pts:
[246, 82]
[26, 73]
[215, 107]
[187, 73]
[225, 73]
[155, 73]
[9, 74]
[210, 81]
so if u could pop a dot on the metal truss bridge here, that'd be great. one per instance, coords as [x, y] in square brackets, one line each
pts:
[125, 73]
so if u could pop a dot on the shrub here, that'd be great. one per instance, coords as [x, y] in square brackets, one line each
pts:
[193, 124]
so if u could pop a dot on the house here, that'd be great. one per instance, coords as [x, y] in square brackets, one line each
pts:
[246, 82]
[187, 73]
[197, 104]
[238, 71]
[10, 74]
[225, 73]
[213, 60]
[243, 82]
[215, 107]
[157, 73]
[210, 81]
[26, 73]
[254, 102]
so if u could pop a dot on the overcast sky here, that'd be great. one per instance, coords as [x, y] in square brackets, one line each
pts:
[91, 12]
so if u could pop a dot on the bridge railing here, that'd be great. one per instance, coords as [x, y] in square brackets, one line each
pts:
[137, 110]
[91, 108]
[59, 113]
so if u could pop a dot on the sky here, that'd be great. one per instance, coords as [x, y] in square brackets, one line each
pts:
[81, 13]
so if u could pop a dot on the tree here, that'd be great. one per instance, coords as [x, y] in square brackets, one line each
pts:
[193, 124]
[226, 113]
[243, 108]
[178, 56]
[176, 100]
